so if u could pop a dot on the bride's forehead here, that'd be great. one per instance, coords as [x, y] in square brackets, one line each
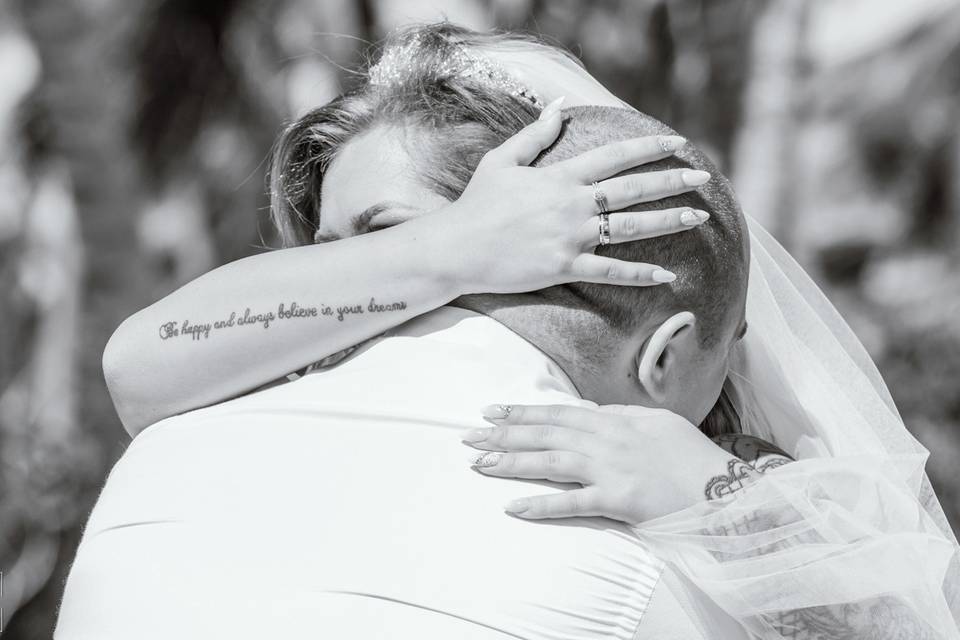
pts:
[370, 168]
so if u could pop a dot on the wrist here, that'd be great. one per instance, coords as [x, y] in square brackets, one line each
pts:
[453, 265]
[711, 473]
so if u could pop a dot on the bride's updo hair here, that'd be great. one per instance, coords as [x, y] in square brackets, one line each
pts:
[452, 107]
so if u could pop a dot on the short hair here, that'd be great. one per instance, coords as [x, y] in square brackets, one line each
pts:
[709, 260]
[447, 122]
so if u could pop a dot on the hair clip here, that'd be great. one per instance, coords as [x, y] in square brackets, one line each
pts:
[398, 62]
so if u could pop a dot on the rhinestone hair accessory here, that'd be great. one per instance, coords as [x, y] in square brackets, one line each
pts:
[396, 63]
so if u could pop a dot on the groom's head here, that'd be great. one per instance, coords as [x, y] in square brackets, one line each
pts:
[664, 346]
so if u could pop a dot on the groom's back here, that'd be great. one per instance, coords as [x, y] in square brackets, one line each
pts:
[347, 493]
[342, 505]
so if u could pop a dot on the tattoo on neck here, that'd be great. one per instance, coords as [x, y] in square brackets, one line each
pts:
[266, 319]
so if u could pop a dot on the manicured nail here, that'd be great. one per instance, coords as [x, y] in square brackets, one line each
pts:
[662, 275]
[485, 459]
[695, 178]
[517, 506]
[477, 435]
[551, 108]
[497, 411]
[669, 144]
[693, 217]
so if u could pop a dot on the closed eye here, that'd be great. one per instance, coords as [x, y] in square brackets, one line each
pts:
[363, 223]
[378, 226]
[382, 215]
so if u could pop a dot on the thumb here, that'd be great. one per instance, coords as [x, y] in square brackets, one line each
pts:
[523, 147]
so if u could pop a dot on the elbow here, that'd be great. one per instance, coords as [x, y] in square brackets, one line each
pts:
[116, 362]
[120, 374]
[112, 361]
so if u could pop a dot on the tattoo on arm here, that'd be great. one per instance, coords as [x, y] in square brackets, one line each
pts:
[754, 456]
[738, 474]
[883, 618]
[755, 451]
[266, 319]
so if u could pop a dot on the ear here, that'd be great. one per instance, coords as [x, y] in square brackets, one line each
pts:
[669, 345]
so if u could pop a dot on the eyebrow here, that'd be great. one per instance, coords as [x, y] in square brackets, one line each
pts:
[361, 222]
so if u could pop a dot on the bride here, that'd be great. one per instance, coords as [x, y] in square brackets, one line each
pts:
[848, 540]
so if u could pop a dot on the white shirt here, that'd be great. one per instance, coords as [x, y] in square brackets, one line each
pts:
[342, 505]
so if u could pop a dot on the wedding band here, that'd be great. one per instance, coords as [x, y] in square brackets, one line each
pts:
[604, 228]
[600, 198]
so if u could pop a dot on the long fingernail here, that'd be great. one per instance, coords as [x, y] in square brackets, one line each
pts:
[551, 108]
[662, 275]
[517, 506]
[669, 144]
[477, 435]
[497, 411]
[485, 459]
[694, 178]
[693, 217]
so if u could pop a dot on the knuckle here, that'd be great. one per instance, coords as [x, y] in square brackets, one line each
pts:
[543, 434]
[560, 262]
[629, 225]
[619, 155]
[625, 503]
[556, 413]
[613, 272]
[574, 502]
[635, 186]
[674, 181]
[551, 459]
[609, 503]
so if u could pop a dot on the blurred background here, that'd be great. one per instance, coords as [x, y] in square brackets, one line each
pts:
[134, 134]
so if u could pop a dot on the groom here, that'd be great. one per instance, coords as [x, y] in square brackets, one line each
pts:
[341, 505]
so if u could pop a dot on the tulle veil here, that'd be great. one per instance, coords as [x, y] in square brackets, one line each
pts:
[801, 379]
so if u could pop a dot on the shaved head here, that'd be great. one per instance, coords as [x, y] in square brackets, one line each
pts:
[710, 260]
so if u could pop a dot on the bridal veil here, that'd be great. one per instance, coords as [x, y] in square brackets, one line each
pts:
[855, 519]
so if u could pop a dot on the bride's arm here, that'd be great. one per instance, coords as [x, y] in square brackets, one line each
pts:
[819, 548]
[255, 320]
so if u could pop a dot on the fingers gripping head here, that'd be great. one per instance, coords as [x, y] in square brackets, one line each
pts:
[710, 261]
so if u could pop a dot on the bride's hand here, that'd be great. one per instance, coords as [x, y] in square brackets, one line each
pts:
[634, 463]
[525, 228]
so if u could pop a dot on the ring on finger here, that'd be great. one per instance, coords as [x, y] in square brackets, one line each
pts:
[604, 228]
[600, 198]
